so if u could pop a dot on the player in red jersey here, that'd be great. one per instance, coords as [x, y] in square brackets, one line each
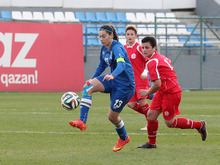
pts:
[138, 62]
[167, 97]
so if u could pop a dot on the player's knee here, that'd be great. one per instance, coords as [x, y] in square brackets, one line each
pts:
[169, 123]
[130, 105]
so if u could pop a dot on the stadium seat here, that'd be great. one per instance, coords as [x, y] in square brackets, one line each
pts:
[120, 29]
[162, 18]
[142, 30]
[171, 29]
[70, 16]
[38, 16]
[90, 16]
[132, 17]
[6, 15]
[150, 17]
[101, 17]
[49, 16]
[59, 16]
[122, 18]
[174, 41]
[161, 29]
[192, 39]
[190, 29]
[27, 15]
[182, 29]
[141, 17]
[16, 15]
[122, 40]
[92, 41]
[151, 29]
[111, 17]
[81, 17]
[92, 29]
[162, 40]
[171, 18]
[205, 39]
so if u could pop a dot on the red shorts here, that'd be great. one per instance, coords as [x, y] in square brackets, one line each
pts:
[168, 103]
[136, 95]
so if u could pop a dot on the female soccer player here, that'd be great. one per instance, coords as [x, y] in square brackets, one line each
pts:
[119, 83]
[167, 97]
[138, 62]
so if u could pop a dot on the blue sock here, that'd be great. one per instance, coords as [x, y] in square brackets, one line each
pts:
[85, 103]
[120, 128]
[84, 108]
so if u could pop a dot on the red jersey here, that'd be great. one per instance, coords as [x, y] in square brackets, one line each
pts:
[160, 67]
[138, 62]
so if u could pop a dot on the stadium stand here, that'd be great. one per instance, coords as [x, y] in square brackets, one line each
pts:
[6, 15]
[92, 29]
[131, 17]
[141, 17]
[111, 17]
[16, 15]
[70, 17]
[121, 17]
[49, 16]
[81, 17]
[101, 17]
[38, 16]
[90, 16]
[27, 15]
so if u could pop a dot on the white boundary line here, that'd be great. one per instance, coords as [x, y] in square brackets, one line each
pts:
[99, 133]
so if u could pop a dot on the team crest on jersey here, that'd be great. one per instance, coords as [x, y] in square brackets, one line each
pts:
[133, 56]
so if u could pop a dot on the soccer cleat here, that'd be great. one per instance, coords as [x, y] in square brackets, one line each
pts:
[120, 144]
[147, 145]
[79, 124]
[203, 132]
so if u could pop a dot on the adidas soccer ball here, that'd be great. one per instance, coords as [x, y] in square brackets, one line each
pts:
[70, 100]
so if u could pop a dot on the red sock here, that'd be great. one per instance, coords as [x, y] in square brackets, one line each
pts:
[152, 127]
[141, 109]
[184, 123]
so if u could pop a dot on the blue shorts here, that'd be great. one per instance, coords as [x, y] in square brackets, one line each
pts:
[119, 94]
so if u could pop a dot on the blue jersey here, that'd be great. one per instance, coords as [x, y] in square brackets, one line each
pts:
[109, 57]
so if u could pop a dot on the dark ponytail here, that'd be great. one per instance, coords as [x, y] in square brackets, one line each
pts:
[110, 29]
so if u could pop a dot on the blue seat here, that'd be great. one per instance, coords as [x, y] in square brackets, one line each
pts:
[101, 17]
[183, 39]
[190, 29]
[111, 17]
[90, 16]
[92, 41]
[205, 39]
[122, 18]
[81, 17]
[121, 29]
[92, 29]
[6, 15]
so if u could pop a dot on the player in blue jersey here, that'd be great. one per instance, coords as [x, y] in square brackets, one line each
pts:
[119, 83]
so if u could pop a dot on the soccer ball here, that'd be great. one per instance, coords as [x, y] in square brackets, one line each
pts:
[70, 101]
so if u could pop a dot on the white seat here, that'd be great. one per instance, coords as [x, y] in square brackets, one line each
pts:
[59, 16]
[174, 41]
[182, 29]
[172, 18]
[171, 30]
[151, 29]
[17, 15]
[27, 15]
[161, 29]
[131, 17]
[49, 17]
[162, 19]
[122, 40]
[141, 17]
[142, 30]
[150, 17]
[70, 17]
[37, 15]
[162, 40]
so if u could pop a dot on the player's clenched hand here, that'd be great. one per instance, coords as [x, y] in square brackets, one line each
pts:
[108, 77]
[143, 92]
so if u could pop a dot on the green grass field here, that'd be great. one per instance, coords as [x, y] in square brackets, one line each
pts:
[34, 129]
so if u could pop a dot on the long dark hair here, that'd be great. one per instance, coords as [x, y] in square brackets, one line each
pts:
[110, 29]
